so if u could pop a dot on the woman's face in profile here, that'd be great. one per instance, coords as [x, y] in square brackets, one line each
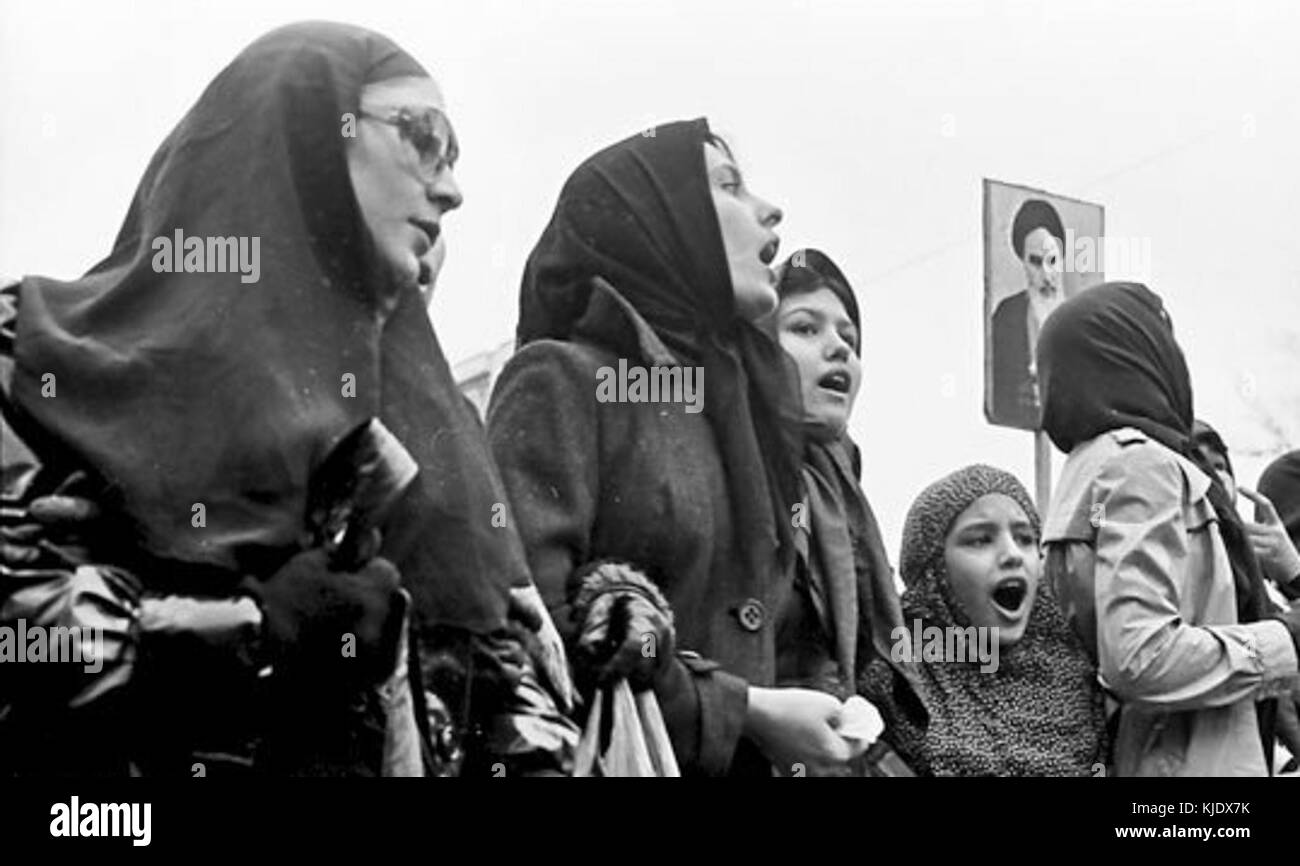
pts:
[1219, 463]
[401, 165]
[993, 565]
[748, 234]
[815, 330]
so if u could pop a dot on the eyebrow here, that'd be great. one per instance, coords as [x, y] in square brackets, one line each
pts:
[796, 307]
[731, 169]
[984, 525]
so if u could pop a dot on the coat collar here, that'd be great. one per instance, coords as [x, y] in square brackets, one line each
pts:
[611, 320]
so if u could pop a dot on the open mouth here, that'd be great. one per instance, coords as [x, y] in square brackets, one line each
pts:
[430, 228]
[767, 254]
[1010, 594]
[837, 381]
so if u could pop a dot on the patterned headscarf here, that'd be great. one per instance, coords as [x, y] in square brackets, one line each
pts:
[1039, 714]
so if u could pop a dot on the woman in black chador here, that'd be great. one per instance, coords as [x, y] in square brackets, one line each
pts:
[199, 404]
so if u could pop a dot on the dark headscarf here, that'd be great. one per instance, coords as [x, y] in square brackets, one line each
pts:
[1281, 484]
[1205, 435]
[1039, 714]
[182, 389]
[856, 578]
[1107, 359]
[636, 226]
[809, 270]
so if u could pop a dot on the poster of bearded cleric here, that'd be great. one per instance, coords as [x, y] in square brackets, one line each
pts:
[1039, 249]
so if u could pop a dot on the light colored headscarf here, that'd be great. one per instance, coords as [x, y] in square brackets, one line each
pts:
[1039, 714]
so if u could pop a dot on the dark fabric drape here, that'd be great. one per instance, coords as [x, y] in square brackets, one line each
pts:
[640, 216]
[809, 270]
[1205, 435]
[852, 553]
[1280, 482]
[1107, 359]
[184, 389]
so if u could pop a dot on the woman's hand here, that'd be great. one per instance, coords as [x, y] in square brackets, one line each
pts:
[526, 605]
[331, 626]
[1269, 539]
[799, 728]
[61, 524]
[624, 634]
[625, 627]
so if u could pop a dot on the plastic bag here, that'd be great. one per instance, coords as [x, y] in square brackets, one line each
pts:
[638, 738]
[401, 732]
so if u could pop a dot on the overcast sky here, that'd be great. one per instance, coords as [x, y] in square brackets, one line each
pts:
[870, 124]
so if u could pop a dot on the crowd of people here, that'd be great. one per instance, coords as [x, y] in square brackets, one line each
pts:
[171, 442]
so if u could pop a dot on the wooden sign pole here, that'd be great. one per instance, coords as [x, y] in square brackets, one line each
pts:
[1042, 472]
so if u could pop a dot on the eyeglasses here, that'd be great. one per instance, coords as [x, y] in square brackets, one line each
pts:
[429, 132]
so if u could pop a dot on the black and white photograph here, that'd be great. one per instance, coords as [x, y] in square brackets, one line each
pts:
[779, 389]
[1039, 250]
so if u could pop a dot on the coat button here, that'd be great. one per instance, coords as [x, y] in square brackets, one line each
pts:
[751, 614]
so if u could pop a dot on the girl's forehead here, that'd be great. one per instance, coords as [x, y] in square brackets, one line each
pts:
[715, 156]
[821, 300]
[993, 507]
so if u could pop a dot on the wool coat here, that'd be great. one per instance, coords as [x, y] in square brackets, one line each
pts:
[643, 483]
